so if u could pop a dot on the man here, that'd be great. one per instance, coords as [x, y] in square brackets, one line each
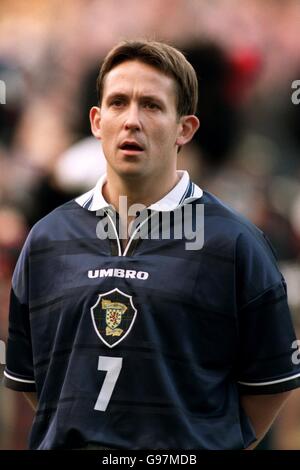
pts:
[132, 339]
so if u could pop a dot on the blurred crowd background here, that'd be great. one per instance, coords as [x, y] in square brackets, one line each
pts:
[247, 151]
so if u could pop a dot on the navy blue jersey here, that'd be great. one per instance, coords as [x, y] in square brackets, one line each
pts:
[150, 350]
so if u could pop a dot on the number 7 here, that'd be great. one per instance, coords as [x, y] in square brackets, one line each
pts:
[113, 366]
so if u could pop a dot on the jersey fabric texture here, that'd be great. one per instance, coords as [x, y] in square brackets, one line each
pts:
[149, 348]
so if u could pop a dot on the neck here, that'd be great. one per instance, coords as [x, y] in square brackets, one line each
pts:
[137, 191]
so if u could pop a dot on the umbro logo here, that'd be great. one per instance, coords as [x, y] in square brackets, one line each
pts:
[117, 272]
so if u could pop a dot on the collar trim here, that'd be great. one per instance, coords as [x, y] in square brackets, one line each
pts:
[184, 192]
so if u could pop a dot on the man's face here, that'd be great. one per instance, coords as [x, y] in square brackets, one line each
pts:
[137, 122]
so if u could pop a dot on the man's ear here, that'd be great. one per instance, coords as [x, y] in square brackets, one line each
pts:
[188, 126]
[95, 120]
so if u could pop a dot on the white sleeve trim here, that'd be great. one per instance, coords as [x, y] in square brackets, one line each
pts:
[18, 380]
[257, 384]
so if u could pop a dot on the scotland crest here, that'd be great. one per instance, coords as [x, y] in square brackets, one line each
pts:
[113, 316]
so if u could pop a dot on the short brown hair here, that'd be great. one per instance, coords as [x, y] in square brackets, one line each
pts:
[165, 58]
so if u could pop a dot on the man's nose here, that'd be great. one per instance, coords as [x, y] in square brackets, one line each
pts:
[132, 120]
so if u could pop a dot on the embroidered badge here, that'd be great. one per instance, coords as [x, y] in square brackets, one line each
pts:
[113, 316]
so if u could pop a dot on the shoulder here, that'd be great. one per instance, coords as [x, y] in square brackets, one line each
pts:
[51, 234]
[225, 216]
[56, 222]
[60, 212]
[57, 225]
[224, 222]
[231, 237]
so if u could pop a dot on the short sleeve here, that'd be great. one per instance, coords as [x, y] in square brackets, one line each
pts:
[266, 362]
[19, 373]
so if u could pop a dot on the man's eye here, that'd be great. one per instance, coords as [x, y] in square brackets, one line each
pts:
[117, 103]
[152, 105]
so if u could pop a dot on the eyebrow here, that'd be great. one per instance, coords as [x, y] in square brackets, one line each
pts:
[145, 97]
[116, 95]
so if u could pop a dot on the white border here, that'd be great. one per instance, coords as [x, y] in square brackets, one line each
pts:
[258, 384]
[18, 380]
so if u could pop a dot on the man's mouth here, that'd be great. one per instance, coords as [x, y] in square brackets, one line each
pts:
[131, 146]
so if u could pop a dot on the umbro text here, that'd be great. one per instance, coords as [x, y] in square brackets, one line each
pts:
[117, 272]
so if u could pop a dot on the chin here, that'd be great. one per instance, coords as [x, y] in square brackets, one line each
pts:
[131, 174]
[131, 170]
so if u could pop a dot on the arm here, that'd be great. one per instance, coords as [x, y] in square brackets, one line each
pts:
[262, 411]
[286, 435]
[31, 397]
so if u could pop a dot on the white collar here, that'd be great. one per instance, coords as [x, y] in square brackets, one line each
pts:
[184, 192]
